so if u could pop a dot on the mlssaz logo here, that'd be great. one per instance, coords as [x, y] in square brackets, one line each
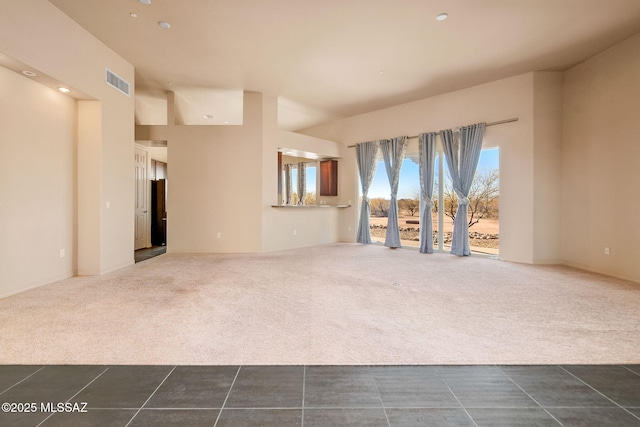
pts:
[63, 407]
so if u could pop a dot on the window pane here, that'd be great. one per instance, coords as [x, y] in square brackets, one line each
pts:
[379, 196]
[409, 201]
[294, 185]
[484, 227]
[310, 198]
[482, 215]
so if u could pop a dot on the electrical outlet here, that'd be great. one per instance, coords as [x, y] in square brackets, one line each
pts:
[219, 235]
[295, 232]
[607, 251]
[62, 253]
[349, 228]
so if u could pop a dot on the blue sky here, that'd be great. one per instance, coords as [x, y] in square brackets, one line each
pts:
[410, 176]
[311, 179]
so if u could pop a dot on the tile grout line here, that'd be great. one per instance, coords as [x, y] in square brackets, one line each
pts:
[630, 370]
[23, 380]
[599, 392]
[149, 398]
[379, 396]
[635, 373]
[90, 382]
[454, 395]
[77, 393]
[205, 408]
[530, 397]
[247, 408]
[239, 408]
[304, 384]
[227, 396]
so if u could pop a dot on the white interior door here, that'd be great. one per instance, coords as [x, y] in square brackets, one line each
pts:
[142, 228]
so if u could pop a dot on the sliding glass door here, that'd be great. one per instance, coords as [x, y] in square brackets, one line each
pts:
[483, 216]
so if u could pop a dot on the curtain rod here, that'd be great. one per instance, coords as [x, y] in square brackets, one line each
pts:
[499, 122]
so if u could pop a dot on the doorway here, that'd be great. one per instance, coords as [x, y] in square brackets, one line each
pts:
[142, 200]
[158, 177]
[151, 199]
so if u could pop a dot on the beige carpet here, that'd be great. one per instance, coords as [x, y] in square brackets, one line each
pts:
[333, 304]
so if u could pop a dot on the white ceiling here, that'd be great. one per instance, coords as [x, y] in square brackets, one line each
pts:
[328, 59]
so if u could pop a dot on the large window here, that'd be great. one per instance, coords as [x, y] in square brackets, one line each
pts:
[483, 217]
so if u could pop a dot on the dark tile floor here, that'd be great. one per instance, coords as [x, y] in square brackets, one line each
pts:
[309, 396]
[148, 253]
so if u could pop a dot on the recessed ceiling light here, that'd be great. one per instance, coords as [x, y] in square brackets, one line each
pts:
[64, 90]
[133, 15]
[381, 72]
[164, 24]
[208, 116]
[442, 17]
[29, 73]
[145, 1]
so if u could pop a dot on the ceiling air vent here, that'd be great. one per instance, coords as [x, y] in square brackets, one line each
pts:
[116, 81]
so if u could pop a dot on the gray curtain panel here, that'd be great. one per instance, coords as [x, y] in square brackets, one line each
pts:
[427, 156]
[462, 150]
[288, 192]
[367, 156]
[302, 182]
[393, 151]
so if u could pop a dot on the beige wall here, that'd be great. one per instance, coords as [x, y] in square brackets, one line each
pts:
[216, 178]
[503, 99]
[66, 53]
[90, 192]
[158, 153]
[601, 162]
[37, 184]
[547, 163]
[224, 180]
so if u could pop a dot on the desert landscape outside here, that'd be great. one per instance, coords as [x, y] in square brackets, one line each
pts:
[484, 237]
